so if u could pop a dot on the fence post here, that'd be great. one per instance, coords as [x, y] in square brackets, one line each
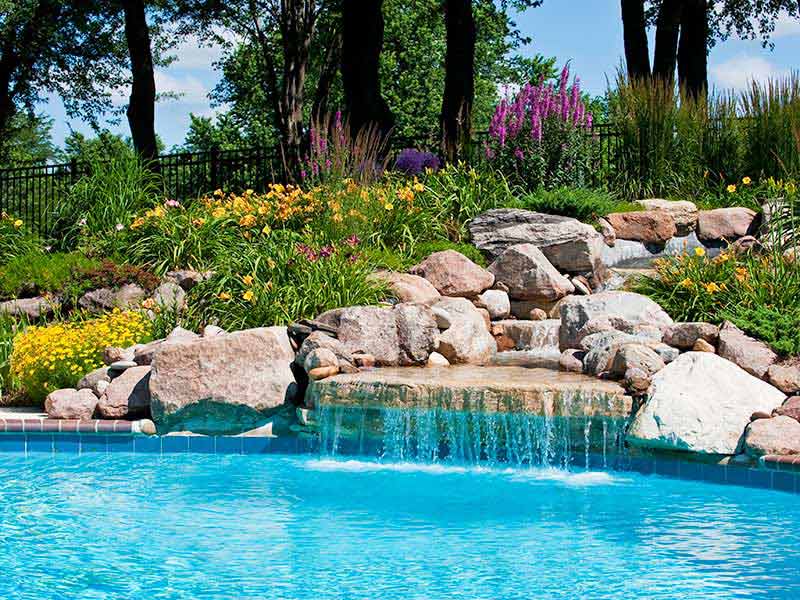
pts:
[214, 168]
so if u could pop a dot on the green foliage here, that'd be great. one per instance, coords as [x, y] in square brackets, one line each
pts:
[584, 204]
[36, 273]
[780, 328]
[9, 327]
[102, 204]
[15, 239]
[755, 291]
[28, 140]
[281, 278]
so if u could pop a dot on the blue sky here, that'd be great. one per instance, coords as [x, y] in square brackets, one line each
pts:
[586, 32]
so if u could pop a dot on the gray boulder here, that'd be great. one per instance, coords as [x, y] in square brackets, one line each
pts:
[700, 403]
[571, 246]
[496, 302]
[528, 275]
[779, 435]
[685, 335]
[31, 308]
[467, 340]
[750, 354]
[127, 396]
[223, 384]
[407, 287]
[576, 311]
[70, 404]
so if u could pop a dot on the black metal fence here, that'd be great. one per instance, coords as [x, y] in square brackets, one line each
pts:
[32, 192]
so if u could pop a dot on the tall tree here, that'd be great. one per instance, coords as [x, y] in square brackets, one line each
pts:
[362, 41]
[142, 105]
[637, 50]
[693, 48]
[459, 81]
[667, 34]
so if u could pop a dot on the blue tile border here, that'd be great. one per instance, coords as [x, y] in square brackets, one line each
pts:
[766, 477]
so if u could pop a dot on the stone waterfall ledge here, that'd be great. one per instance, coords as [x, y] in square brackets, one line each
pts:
[470, 388]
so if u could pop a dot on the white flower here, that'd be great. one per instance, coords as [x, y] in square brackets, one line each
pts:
[119, 227]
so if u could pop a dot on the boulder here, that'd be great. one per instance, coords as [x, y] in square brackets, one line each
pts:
[530, 335]
[700, 403]
[212, 330]
[581, 285]
[785, 376]
[571, 361]
[407, 287]
[223, 384]
[113, 354]
[30, 308]
[724, 223]
[437, 360]
[70, 404]
[601, 350]
[537, 314]
[790, 408]
[321, 357]
[779, 435]
[317, 340]
[703, 346]
[467, 340]
[683, 213]
[453, 274]
[127, 396]
[750, 354]
[128, 296]
[576, 311]
[646, 226]
[636, 356]
[170, 297]
[416, 333]
[322, 372]
[528, 275]
[91, 380]
[685, 335]
[571, 246]
[496, 302]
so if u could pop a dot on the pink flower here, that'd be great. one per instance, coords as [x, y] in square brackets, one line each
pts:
[172, 203]
[352, 241]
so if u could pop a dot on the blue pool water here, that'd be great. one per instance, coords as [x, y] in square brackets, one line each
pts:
[194, 526]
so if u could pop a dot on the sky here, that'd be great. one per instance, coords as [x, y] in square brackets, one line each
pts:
[588, 33]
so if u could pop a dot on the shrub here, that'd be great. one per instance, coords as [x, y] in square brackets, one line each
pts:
[541, 137]
[282, 278]
[101, 205]
[37, 273]
[584, 204]
[416, 162]
[747, 289]
[55, 356]
[9, 328]
[15, 239]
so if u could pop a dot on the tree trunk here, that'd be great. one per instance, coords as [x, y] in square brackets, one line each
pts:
[637, 50]
[327, 76]
[459, 78]
[142, 106]
[667, 31]
[297, 28]
[362, 40]
[693, 48]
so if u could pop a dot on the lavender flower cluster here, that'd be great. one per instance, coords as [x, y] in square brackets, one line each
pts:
[414, 162]
[531, 109]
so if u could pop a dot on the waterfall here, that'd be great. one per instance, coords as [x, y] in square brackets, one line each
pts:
[573, 438]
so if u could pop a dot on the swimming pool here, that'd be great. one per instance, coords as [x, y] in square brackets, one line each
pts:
[127, 526]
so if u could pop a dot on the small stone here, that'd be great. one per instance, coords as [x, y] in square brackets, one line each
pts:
[496, 302]
[147, 427]
[437, 360]
[537, 314]
[637, 381]
[144, 353]
[408, 288]
[785, 376]
[212, 330]
[504, 343]
[571, 360]
[113, 354]
[364, 361]
[91, 380]
[323, 372]
[684, 335]
[170, 297]
[187, 278]
[581, 284]
[122, 365]
[70, 404]
[321, 357]
[442, 318]
[752, 355]
[179, 334]
[100, 387]
[703, 346]
[760, 414]
[790, 408]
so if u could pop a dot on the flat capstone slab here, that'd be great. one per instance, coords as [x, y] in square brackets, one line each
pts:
[472, 388]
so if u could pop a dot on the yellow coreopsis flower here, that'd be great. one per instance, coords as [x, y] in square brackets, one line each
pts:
[731, 189]
[18, 223]
[388, 206]
[247, 280]
[747, 180]
[699, 251]
[249, 295]
[224, 296]
[686, 283]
